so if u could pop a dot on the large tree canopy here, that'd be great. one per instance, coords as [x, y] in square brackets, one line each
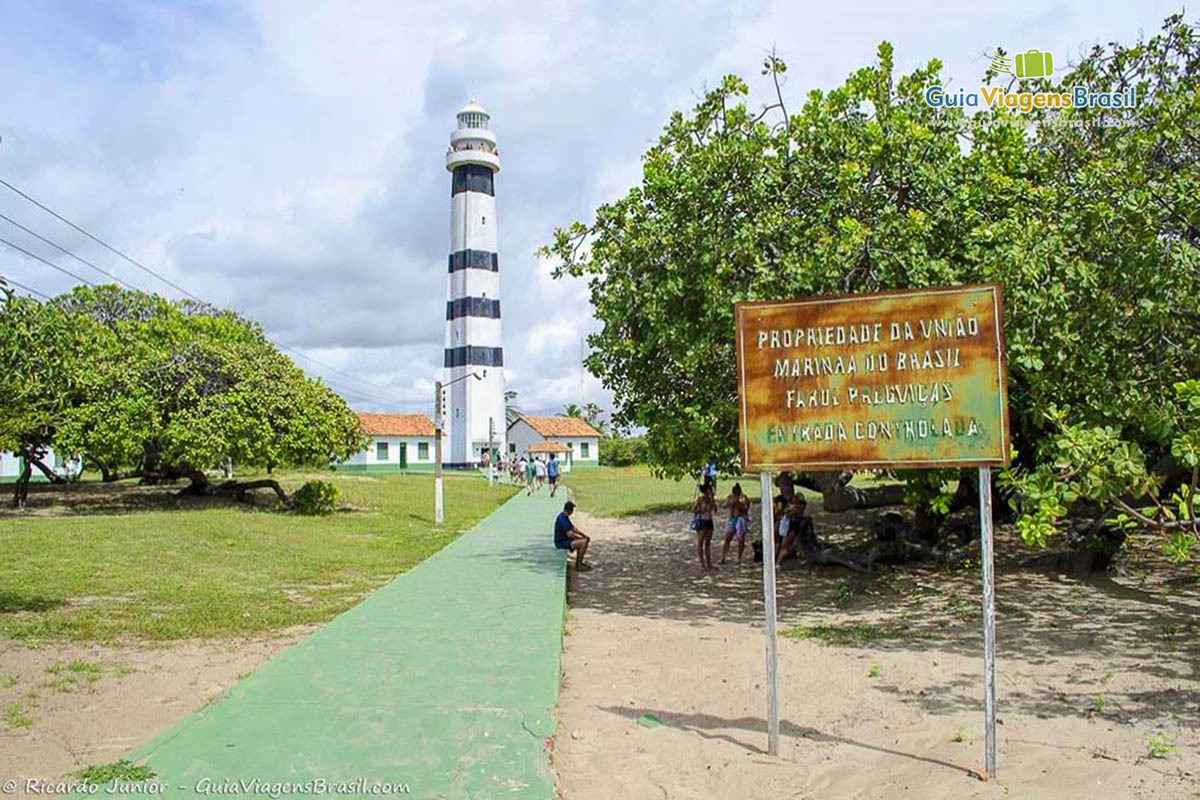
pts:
[39, 355]
[168, 390]
[1090, 218]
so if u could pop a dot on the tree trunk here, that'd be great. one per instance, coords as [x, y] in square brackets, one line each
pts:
[21, 487]
[153, 471]
[838, 495]
[927, 524]
[200, 486]
[50, 474]
[106, 474]
[240, 488]
[895, 543]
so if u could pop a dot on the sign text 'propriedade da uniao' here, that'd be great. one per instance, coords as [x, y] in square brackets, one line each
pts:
[893, 379]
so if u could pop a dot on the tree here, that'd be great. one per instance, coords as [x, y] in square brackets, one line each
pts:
[621, 451]
[1092, 230]
[512, 411]
[180, 387]
[572, 410]
[593, 414]
[39, 351]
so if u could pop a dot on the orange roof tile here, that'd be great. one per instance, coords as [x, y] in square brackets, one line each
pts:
[395, 424]
[549, 447]
[561, 426]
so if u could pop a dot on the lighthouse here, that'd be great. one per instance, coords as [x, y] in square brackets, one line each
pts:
[473, 367]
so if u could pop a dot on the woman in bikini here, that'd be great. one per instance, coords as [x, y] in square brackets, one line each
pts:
[703, 509]
[738, 506]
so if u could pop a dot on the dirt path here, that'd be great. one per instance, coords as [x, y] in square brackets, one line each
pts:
[66, 706]
[1088, 672]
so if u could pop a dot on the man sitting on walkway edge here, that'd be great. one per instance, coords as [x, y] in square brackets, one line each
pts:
[568, 537]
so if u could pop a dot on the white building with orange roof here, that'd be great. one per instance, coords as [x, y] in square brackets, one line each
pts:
[397, 442]
[575, 442]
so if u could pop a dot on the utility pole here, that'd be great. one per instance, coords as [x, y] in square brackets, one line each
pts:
[438, 387]
[491, 451]
[438, 512]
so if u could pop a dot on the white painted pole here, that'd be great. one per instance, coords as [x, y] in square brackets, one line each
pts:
[989, 619]
[491, 451]
[438, 512]
[768, 541]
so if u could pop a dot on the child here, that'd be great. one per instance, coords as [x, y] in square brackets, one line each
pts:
[738, 506]
[703, 508]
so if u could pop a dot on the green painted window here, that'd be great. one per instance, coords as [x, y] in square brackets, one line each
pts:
[422, 451]
[381, 451]
[512, 447]
[583, 450]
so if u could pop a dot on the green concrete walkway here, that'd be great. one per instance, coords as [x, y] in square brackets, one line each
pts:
[444, 679]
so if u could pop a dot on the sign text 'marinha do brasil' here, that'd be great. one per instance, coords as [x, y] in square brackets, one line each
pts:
[893, 379]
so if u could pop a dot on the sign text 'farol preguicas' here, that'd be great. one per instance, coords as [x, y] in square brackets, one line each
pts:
[909, 379]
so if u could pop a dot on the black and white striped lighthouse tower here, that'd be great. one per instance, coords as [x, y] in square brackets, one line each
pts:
[473, 343]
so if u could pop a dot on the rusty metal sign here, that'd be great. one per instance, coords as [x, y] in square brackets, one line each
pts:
[908, 379]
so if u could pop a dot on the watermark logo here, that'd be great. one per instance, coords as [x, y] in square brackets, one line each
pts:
[1033, 63]
[1030, 64]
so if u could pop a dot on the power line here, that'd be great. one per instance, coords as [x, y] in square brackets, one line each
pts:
[348, 391]
[326, 366]
[360, 394]
[143, 267]
[29, 289]
[44, 261]
[64, 250]
[101, 242]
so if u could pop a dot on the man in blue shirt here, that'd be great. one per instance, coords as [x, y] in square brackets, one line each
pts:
[568, 537]
[552, 474]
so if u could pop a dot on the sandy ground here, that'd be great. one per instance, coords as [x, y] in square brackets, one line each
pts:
[114, 699]
[1088, 671]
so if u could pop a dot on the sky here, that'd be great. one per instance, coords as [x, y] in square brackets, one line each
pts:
[286, 158]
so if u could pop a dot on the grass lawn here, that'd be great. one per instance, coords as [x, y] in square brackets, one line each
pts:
[136, 562]
[625, 491]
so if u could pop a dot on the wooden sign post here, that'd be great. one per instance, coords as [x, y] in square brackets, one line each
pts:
[892, 380]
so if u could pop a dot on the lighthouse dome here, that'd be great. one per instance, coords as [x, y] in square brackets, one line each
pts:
[473, 115]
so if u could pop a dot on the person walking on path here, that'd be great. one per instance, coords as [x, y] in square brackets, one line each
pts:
[529, 475]
[703, 508]
[539, 471]
[552, 473]
[738, 506]
[568, 537]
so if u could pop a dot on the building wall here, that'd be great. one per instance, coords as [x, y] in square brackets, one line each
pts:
[11, 465]
[368, 460]
[523, 436]
[576, 443]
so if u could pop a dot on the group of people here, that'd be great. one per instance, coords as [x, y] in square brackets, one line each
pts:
[535, 472]
[793, 527]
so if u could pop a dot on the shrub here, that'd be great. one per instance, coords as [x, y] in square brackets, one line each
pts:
[315, 498]
[622, 451]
